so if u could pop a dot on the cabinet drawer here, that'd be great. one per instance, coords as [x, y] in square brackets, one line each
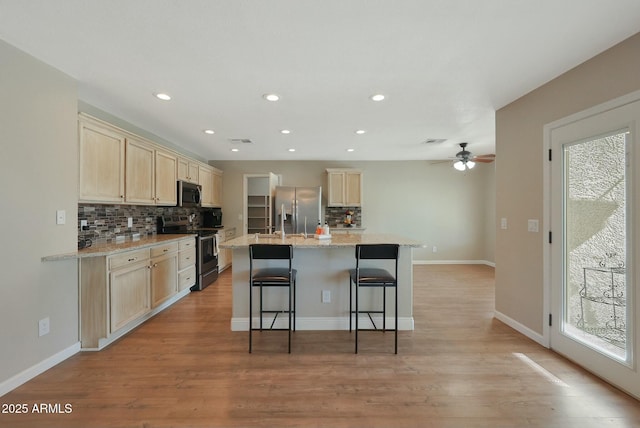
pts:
[187, 278]
[186, 258]
[128, 258]
[186, 244]
[161, 249]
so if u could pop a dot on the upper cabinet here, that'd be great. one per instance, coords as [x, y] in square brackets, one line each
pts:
[140, 178]
[119, 167]
[165, 178]
[188, 170]
[101, 158]
[210, 179]
[344, 187]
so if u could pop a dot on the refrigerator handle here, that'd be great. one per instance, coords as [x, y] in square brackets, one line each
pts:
[294, 213]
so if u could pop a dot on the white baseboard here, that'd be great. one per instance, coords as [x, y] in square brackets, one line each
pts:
[321, 323]
[520, 328]
[454, 262]
[33, 371]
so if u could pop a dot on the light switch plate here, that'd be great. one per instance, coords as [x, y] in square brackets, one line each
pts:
[503, 223]
[532, 225]
[61, 217]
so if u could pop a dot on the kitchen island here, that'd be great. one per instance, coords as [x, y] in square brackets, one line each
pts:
[322, 266]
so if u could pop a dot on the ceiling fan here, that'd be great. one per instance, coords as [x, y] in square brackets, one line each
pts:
[466, 159]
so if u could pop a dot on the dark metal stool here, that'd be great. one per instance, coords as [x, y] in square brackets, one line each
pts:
[272, 277]
[374, 277]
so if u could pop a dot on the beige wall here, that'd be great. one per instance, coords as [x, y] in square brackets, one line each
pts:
[519, 172]
[38, 175]
[432, 203]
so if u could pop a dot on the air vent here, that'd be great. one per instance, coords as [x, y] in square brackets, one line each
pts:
[240, 141]
[434, 141]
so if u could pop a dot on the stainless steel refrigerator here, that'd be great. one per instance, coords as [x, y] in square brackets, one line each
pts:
[302, 205]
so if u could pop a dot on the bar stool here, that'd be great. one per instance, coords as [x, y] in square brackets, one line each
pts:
[376, 278]
[272, 277]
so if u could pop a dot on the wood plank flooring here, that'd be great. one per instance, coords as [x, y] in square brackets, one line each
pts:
[459, 368]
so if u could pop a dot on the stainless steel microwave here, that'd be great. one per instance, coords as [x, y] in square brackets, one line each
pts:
[189, 194]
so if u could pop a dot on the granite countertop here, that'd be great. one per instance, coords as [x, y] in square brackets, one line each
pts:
[111, 248]
[336, 241]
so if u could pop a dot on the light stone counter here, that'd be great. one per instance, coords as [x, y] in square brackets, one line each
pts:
[111, 248]
[323, 266]
[339, 240]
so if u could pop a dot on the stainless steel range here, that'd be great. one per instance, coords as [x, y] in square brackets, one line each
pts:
[206, 250]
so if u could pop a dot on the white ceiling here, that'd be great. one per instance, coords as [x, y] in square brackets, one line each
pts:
[445, 66]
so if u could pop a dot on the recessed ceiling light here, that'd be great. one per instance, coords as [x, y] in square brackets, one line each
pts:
[271, 97]
[163, 96]
[351, 150]
[360, 131]
[292, 150]
[285, 131]
[235, 150]
[377, 97]
[209, 131]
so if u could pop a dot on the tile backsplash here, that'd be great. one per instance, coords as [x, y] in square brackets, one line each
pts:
[106, 222]
[335, 215]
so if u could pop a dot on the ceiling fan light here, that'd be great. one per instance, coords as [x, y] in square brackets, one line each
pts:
[470, 164]
[459, 165]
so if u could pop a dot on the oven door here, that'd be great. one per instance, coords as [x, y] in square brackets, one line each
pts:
[207, 260]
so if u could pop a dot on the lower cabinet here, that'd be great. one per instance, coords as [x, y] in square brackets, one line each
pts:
[129, 294]
[120, 291]
[164, 273]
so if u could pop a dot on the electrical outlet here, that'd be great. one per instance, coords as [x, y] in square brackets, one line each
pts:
[130, 222]
[503, 223]
[435, 249]
[83, 224]
[43, 326]
[326, 296]
[532, 225]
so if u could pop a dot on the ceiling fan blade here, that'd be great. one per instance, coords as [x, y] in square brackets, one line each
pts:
[492, 156]
[483, 160]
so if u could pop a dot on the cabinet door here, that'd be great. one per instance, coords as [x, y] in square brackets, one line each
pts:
[353, 189]
[101, 163]
[205, 176]
[217, 189]
[336, 194]
[140, 159]
[166, 178]
[129, 294]
[164, 278]
[187, 171]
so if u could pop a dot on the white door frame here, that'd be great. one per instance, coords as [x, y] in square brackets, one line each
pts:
[547, 194]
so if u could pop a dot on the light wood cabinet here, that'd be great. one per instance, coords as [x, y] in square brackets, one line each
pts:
[140, 176]
[165, 178]
[187, 170]
[164, 277]
[101, 162]
[216, 197]
[205, 179]
[120, 291]
[186, 264]
[116, 166]
[344, 188]
[129, 294]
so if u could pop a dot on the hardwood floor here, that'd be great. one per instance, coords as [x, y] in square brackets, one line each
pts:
[459, 368]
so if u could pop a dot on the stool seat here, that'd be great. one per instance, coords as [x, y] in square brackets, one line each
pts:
[274, 274]
[372, 275]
